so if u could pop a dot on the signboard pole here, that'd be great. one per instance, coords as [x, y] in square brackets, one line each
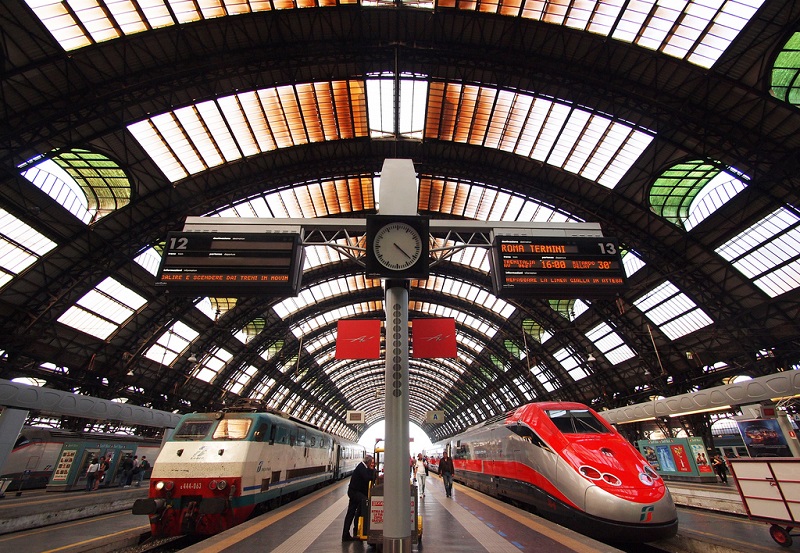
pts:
[398, 196]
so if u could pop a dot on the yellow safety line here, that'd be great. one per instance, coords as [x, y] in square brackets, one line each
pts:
[261, 523]
[572, 543]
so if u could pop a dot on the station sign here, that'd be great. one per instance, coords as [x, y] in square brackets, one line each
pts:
[556, 267]
[231, 264]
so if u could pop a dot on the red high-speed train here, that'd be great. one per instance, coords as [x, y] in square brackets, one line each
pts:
[566, 463]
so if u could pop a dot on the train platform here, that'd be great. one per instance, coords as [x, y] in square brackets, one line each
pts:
[38, 508]
[469, 521]
[82, 522]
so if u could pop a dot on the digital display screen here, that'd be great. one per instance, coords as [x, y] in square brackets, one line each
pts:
[236, 264]
[556, 268]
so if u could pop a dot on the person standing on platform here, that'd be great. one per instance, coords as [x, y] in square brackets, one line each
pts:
[105, 463]
[420, 472]
[446, 469]
[127, 472]
[91, 473]
[357, 491]
[721, 468]
[143, 466]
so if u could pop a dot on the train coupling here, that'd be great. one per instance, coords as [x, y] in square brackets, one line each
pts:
[148, 506]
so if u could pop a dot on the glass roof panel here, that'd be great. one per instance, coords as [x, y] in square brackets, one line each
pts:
[672, 311]
[194, 138]
[20, 246]
[566, 136]
[100, 312]
[698, 31]
[54, 181]
[171, 343]
[610, 343]
[768, 252]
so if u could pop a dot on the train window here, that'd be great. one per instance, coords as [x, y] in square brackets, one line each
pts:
[232, 429]
[261, 434]
[301, 437]
[192, 430]
[576, 421]
[525, 432]
[282, 436]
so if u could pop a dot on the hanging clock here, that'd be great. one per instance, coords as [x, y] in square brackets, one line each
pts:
[397, 247]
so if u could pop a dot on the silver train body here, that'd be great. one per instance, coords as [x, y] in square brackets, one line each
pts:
[36, 452]
[564, 462]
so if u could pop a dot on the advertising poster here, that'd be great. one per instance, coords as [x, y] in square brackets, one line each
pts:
[701, 457]
[681, 458]
[649, 453]
[763, 438]
[665, 460]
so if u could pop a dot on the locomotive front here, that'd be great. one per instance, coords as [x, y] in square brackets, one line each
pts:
[606, 478]
[196, 483]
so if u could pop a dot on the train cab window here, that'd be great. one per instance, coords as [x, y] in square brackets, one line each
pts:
[282, 435]
[232, 429]
[576, 421]
[301, 437]
[193, 430]
[526, 433]
[261, 433]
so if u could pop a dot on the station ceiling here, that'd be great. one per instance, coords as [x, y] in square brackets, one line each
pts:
[675, 126]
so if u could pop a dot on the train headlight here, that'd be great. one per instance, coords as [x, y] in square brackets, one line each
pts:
[611, 479]
[217, 485]
[650, 472]
[645, 479]
[164, 485]
[590, 472]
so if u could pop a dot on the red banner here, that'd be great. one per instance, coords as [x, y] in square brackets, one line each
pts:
[434, 338]
[358, 339]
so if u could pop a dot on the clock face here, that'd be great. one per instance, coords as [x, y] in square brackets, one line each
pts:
[397, 246]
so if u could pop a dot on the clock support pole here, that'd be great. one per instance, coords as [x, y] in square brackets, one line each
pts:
[398, 196]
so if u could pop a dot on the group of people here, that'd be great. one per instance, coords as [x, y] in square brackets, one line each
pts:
[131, 468]
[365, 472]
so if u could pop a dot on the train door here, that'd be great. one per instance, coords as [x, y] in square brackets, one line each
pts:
[86, 459]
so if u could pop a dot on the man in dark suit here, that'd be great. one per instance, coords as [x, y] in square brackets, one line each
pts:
[357, 492]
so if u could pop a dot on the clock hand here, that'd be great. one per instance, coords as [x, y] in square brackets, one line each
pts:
[401, 250]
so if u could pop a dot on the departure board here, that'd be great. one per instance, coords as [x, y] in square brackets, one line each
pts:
[231, 264]
[556, 268]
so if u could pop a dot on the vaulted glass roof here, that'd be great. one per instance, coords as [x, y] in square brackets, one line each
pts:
[670, 125]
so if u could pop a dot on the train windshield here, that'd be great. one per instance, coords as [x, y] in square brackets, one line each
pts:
[192, 430]
[576, 421]
[232, 429]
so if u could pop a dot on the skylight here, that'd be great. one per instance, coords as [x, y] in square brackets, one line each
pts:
[103, 310]
[200, 136]
[768, 252]
[698, 31]
[575, 139]
[20, 246]
[171, 343]
[674, 313]
[610, 343]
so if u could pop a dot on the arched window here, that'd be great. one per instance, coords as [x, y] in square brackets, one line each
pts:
[87, 184]
[785, 83]
[690, 191]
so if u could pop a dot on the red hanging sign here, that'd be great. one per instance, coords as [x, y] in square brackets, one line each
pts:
[434, 338]
[358, 339]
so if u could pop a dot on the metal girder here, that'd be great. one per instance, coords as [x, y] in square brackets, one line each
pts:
[56, 402]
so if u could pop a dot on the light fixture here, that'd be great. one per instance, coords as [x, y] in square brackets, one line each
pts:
[591, 358]
[192, 358]
[130, 372]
